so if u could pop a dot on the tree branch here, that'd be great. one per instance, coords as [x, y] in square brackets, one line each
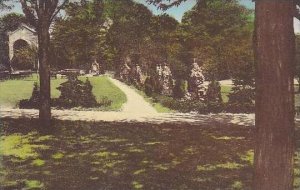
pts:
[29, 12]
[59, 9]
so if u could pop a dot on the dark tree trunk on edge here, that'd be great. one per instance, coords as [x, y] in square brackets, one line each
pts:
[44, 73]
[275, 52]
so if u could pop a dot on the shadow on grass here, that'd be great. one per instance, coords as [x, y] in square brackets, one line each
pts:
[86, 155]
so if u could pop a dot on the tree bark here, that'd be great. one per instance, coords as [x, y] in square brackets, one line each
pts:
[274, 56]
[44, 73]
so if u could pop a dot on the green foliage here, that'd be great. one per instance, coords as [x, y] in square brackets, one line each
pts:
[213, 97]
[152, 86]
[180, 105]
[79, 39]
[24, 58]
[219, 34]
[213, 94]
[34, 100]
[75, 93]
[241, 100]
[179, 89]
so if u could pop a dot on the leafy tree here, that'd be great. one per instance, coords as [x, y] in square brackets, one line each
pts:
[79, 39]
[213, 32]
[126, 36]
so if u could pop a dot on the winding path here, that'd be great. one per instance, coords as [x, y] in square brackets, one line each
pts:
[135, 103]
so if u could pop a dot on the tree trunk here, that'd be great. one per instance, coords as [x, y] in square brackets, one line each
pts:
[275, 52]
[298, 84]
[44, 73]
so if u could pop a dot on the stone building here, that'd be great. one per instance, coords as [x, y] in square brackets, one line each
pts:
[23, 35]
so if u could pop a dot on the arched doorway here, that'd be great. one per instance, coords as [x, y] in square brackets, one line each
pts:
[24, 56]
[23, 44]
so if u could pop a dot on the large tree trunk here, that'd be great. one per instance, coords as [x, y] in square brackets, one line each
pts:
[275, 52]
[44, 73]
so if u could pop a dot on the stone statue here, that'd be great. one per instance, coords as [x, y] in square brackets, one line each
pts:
[124, 72]
[95, 68]
[165, 77]
[196, 88]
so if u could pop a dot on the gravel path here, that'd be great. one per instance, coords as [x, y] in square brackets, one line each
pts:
[70, 115]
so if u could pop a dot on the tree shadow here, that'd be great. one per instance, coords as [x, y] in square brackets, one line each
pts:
[93, 155]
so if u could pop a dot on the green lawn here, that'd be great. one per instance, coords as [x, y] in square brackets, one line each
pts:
[225, 90]
[12, 91]
[103, 87]
[105, 155]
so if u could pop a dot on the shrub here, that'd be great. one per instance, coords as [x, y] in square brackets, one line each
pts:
[180, 105]
[179, 89]
[213, 98]
[75, 93]
[33, 102]
[213, 93]
[152, 86]
[148, 87]
[241, 100]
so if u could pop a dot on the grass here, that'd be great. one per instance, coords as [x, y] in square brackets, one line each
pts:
[157, 106]
[101, 155]
[12, 91]
[103, 87]
[225, 90]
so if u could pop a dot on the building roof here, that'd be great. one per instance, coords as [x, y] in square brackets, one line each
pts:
[23, 26]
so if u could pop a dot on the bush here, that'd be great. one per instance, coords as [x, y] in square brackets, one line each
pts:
[179, 89]
[75, 93]
[183, 106]
[34, 101]
[152, 86]
[241, 100]
[213, 93]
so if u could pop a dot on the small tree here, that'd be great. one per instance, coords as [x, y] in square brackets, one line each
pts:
[241, 99]
[213, 93]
